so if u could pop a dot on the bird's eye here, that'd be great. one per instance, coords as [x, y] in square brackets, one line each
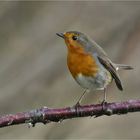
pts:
[74, 37]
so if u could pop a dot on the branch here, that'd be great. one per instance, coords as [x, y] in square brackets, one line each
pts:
[46, 115]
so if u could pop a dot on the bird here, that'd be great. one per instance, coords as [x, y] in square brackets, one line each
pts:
[89, 64]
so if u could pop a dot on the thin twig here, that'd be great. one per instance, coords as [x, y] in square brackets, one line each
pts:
[46, 115]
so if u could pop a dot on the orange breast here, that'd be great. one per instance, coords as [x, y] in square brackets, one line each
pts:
[80, 62]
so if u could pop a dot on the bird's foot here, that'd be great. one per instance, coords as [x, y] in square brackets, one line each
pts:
[103, 103]
[77, 105]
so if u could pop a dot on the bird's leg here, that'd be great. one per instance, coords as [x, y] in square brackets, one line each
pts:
[80, 99]
[103, 103]
[104, 100]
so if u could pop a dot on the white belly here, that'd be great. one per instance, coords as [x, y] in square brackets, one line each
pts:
[99, 82]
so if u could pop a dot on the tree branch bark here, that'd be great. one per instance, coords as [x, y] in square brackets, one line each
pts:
[46, 115]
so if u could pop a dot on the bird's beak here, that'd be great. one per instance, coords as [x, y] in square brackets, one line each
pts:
[60, 35]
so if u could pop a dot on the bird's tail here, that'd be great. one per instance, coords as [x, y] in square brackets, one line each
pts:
[123, 66]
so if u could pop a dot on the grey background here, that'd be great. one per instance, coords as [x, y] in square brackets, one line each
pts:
[33, 70]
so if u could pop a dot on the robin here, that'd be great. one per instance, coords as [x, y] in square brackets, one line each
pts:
[89, 63]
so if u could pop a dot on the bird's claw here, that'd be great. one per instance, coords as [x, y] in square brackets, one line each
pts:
[77, 105]
[103, 103]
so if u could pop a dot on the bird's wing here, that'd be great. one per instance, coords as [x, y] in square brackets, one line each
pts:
[98, 49]
[106, 62]
[109, 66]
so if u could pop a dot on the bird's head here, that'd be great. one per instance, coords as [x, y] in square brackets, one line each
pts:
[75, 40]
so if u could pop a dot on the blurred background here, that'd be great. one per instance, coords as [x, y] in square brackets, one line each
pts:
[33, 70]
